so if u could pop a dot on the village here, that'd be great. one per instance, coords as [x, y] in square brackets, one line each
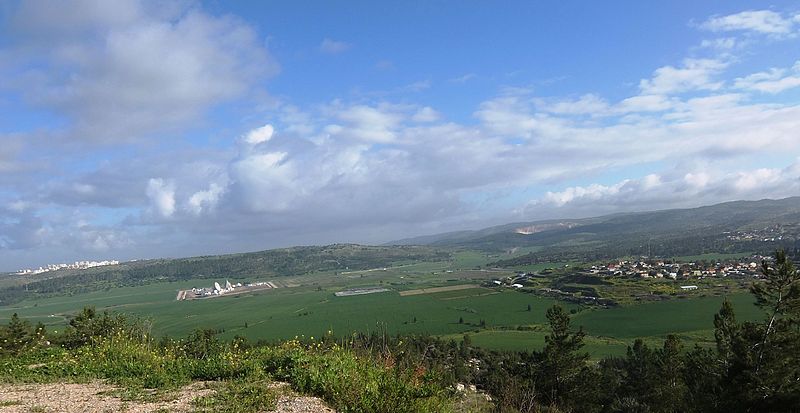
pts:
[770, 233]
[579, 284]
[654, 268]
[77, 265]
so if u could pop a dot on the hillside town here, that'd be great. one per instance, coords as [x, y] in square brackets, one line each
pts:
[770, 233]
[646, 268]
[77, 265]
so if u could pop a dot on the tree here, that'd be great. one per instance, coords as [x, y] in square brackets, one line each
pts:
[755, 364]
[670, 389]
[772, 363]
[18, 335]
[562, 361]
[725, 331]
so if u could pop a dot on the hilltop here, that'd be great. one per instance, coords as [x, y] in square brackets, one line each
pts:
[739, 226]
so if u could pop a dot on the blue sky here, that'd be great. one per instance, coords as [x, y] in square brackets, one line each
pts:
[136, 129]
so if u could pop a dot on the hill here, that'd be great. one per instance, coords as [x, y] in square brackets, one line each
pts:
[246, 266]
[728, 227]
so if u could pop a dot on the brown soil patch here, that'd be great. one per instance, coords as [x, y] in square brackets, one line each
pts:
[98, 397]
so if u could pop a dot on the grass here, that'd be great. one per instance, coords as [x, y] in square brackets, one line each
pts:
[347, 381]
[312, 310]
[238, 396]
[662, 318]
[286, 313]
[515, 340]
[534, 268]
[712, 257]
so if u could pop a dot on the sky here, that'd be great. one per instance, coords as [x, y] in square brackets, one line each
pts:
[137, 129]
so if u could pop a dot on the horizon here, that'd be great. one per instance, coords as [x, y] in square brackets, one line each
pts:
[393, 242]
[193, 128]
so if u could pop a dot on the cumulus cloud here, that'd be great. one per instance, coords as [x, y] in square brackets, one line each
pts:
[775, 80]
[366, 169]
[162, 197]
[586, 104]
[123, 72]
[672, 190]
[259, 135]
[369, 124]
[333, 46]
[693, 74]
[204, 201]
[426, 114]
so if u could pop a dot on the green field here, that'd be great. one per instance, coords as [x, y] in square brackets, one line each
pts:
[712, 257]
[313, 310]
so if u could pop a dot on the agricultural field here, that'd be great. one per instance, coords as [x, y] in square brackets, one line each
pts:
[435, 298]
[712, 257]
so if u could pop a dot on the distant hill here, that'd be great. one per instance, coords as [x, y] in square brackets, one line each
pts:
[244, 266]
[741, 226]
[731, 226]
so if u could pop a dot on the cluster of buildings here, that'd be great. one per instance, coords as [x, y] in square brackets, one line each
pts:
[215, 290]
[748, 267]
[767, 234]
[77, 265]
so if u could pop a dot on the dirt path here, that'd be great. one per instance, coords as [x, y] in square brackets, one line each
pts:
[97, 397]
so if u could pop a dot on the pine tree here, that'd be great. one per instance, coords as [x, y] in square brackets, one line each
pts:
[18, 334]
[561, 360]
[775, 376]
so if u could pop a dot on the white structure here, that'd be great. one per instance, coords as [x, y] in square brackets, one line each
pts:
[688, 287]
[77, 265]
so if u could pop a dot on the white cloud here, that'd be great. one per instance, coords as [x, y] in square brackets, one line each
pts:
[203, 201]
[426, 114]
[334, 47]
[120, 74]
[259, 135]
[162, 197]
[671, 191]
[586, 104]
[592, 192]
[694, 74]
[361, 166]
[722, 43]
[370, 124]
[646, 103]
[761, 21]
[772, 81]
[507, 115]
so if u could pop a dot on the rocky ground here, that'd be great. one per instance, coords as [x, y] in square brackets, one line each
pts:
[97, 397]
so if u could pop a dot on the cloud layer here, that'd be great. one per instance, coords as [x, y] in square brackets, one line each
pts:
[143, 169]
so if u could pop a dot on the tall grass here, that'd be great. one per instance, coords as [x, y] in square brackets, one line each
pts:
[347, 381]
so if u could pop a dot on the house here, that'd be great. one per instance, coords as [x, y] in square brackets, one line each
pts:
[688, 287]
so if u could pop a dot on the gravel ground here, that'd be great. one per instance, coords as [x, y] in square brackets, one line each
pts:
[97, 397]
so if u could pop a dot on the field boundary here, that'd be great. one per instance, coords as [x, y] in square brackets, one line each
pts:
[434, 290]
